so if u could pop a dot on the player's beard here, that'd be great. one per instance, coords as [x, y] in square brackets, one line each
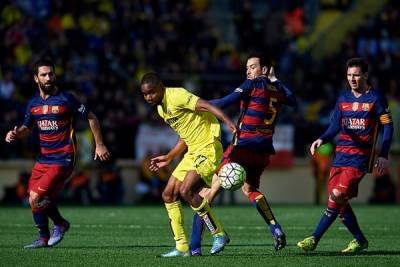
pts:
[48, 87]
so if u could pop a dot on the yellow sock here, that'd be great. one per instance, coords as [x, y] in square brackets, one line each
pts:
[264, 209]
[175, 215]
[209, 218]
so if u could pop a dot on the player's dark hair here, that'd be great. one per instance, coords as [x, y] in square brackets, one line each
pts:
[45, 61]
[358, 62]
[265, 59]
[151, 78]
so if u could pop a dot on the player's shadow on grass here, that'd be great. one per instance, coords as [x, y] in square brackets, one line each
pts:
[363, 253]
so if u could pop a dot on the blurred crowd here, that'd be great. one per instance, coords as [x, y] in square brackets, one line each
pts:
[102, 48]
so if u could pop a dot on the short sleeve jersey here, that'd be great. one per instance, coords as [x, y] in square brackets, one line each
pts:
[195, 128]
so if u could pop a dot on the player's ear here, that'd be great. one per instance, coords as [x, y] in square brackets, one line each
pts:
[35, 77]
[264, 70]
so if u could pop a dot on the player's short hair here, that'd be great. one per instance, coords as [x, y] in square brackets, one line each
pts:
[358, 62]
[151, 78]
[45, 61]
[265, 58]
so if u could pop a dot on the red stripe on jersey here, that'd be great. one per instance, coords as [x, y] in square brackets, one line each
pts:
[65, 149]
[252, 120]
[257, 106]
[54, 137]
[352, 150]
[248, 134]
[265, 93]
[40, 110]
[347, 137]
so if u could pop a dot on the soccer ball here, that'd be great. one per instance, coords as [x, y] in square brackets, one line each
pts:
[231, 176]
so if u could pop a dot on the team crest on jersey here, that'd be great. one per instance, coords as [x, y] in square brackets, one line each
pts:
[55, 109]
[355, 106]
[45, 109]
[365, 107]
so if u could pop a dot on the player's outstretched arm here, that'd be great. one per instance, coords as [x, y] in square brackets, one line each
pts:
[101, 150]
[317, 143]
[164, 160]
[17, 133]
[205, 106]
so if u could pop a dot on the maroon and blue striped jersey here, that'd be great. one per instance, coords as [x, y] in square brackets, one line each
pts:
[54, 118]
[358, 120]
[260, 102]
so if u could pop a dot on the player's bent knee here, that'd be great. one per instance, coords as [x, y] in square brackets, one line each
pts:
[168, 197]
[38, 203]
[337, 196]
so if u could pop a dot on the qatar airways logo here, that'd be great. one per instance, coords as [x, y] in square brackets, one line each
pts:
[47, 125]
[354, 123]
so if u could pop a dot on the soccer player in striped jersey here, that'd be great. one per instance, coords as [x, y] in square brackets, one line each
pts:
[195, 121]
[358, 116]
[261, 97]
[53, 112]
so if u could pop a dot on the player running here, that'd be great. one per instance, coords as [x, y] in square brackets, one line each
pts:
[53, 112]
[261, 98]
[195, 121]
[358, 115]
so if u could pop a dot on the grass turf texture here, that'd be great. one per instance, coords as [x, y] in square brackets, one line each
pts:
[133, 236]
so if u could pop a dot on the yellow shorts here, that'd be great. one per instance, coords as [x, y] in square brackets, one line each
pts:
[204, 161]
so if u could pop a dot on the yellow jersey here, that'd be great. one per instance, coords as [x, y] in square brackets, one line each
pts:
[197, 129]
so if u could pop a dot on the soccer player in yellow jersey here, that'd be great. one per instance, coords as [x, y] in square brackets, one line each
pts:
[195, 121]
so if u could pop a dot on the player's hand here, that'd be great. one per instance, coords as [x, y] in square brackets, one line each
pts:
[317, 143]
[101, 153]
[271, 75]
[11, 135]
[381, 164]
[159, 162]
[232, 127]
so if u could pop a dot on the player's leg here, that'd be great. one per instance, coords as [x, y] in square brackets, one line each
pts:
[206, 161]
[61, 225]
[347, 215]
[336, 199]
[350, 221]
[198, 225]
[38, 205]
[260, 202]
[175, 214]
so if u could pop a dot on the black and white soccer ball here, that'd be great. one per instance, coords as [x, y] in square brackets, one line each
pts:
[231, 176]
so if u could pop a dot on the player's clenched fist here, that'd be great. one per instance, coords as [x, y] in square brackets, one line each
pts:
[11, 135]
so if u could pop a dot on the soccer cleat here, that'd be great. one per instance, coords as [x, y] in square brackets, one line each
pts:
[308, 244]
[40, 243]
[219, 243]
[279, 239]
[355, 246]
[58, 234]
[175, 253]
[196, 252]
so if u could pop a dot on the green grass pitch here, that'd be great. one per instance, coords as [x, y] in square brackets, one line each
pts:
[133, 236]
